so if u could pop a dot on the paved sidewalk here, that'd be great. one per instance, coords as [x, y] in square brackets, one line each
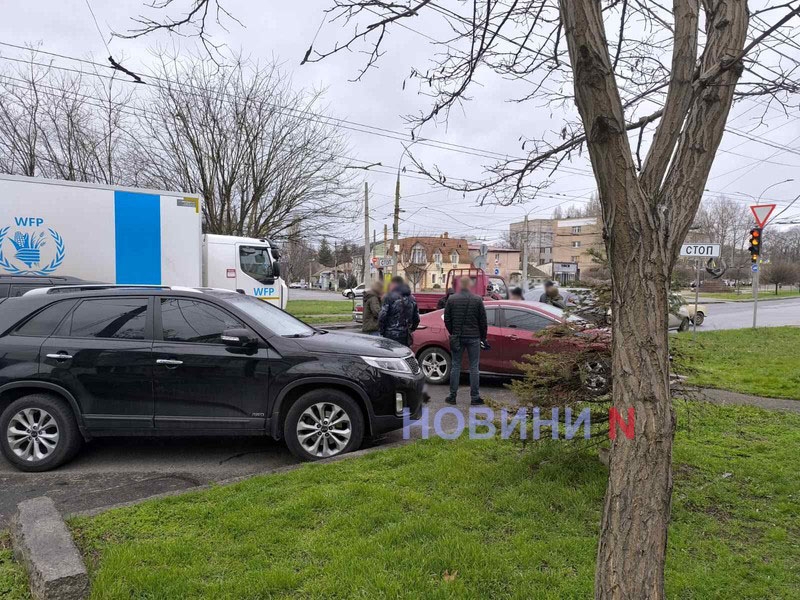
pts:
[735, 398]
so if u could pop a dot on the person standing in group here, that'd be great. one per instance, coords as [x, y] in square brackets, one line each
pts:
[551, 295]
[516, 294]
[399, 315]
[372, 308]
[465, 320]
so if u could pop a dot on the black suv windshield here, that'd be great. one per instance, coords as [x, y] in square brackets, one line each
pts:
[271, 317]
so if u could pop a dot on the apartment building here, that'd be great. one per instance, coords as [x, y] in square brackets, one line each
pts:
[540, 235]
[573, 238]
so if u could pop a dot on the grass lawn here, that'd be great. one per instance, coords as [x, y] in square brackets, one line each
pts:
[747, 295]
[466, 519]
[318, 307]
[325, 320]
[764, 363]
[13, 582]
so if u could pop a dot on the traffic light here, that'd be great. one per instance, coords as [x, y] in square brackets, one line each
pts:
[755, 244]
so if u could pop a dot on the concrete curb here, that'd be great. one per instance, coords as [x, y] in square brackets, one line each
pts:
[44, 545]
[93, 512]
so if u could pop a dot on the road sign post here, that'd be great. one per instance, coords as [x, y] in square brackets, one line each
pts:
[699, 251]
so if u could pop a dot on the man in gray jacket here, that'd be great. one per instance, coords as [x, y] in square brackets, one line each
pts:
[465, 320]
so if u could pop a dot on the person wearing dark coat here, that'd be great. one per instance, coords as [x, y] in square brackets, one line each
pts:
[465, 320]
[443, 300]
[399, 315]
[372, 308]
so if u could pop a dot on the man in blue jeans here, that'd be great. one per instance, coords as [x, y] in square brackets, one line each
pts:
[465, 320]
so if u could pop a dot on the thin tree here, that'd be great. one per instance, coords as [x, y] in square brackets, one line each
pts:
[652, 131]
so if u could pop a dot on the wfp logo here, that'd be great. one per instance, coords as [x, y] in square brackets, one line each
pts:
[21, 252]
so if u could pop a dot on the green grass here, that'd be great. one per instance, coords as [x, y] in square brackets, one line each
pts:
[465, 519]
[765, 362]
[318, 307]
[326, 320]
[13, 582]
[747, 295]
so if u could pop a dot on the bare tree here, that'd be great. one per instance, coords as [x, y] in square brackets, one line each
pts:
[652, 131]
[61, 124]
[242, 138]
[780, 273]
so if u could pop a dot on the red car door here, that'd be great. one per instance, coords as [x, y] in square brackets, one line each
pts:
[519, 331]
[492, 360]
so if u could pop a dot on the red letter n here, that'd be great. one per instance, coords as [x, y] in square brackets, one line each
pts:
[614, 419]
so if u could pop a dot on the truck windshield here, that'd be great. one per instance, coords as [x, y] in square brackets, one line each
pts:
[271, 317]
[256, 262]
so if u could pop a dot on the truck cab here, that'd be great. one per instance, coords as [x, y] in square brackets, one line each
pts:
[249, 265]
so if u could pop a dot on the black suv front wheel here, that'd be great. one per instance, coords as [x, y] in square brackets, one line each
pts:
[38, 433]
[322, 424]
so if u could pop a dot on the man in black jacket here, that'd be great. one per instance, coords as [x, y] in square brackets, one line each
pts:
[465, 320]
[399, 315]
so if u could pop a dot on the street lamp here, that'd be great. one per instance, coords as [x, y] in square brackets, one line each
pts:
[764, 191]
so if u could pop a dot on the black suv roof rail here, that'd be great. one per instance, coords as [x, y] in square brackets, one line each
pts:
[65, 289]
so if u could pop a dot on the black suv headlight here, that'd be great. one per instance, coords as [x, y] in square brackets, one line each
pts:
[388, 365]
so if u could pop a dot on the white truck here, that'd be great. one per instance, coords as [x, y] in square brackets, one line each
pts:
[121, 235]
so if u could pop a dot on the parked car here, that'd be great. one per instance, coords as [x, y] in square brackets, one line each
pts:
[515, 329]
[687, 309]
[12, 286]
[356, 292]
[168, 361]
[295, 285]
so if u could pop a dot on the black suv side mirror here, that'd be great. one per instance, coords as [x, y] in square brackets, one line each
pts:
[238, 338]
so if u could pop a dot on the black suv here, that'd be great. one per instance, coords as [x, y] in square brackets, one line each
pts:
[167, 361]
[12, 286]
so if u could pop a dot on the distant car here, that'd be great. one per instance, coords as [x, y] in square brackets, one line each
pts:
[295, 285]
[687, 310]
[514, 330]
[12, 286]
[356, 292]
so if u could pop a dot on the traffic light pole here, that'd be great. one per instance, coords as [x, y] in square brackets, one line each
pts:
[755, 296]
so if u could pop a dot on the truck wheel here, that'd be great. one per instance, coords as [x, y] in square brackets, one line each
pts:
[699, 318]
[38, 433]
[323, 423]
[435, 363]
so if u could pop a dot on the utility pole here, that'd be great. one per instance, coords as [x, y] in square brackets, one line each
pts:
[396, 224]
[367, 253]
[525, 260]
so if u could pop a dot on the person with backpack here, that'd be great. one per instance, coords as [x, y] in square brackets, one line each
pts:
[399, 315]
[465, 320]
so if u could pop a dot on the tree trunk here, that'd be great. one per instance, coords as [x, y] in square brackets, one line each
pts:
[633, 534]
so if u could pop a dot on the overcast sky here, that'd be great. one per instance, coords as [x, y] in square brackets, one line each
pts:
[284, 30]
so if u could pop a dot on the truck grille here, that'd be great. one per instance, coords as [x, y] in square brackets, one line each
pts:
[413, 364]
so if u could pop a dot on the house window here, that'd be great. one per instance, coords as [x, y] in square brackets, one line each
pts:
[454, 257]
[573, 258]
[418, 254]
[497, 256]
[433, 278]
[576, 229]
[576, 244]
[437, 258]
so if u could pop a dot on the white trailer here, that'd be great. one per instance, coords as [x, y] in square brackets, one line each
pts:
[126, 236]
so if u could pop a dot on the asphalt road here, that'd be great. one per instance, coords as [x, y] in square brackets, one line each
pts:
[737, 315]
[112, 471]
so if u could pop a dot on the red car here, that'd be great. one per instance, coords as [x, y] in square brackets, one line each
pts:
[514, 330]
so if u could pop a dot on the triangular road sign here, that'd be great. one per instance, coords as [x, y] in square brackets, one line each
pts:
[762, 212]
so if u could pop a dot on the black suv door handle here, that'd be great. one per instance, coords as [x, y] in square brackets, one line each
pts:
[59, 356]
[169, 362]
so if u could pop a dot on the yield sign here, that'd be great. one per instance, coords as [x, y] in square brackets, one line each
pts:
[762, 212]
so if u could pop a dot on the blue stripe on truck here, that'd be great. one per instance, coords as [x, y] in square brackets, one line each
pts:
[137, 226]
